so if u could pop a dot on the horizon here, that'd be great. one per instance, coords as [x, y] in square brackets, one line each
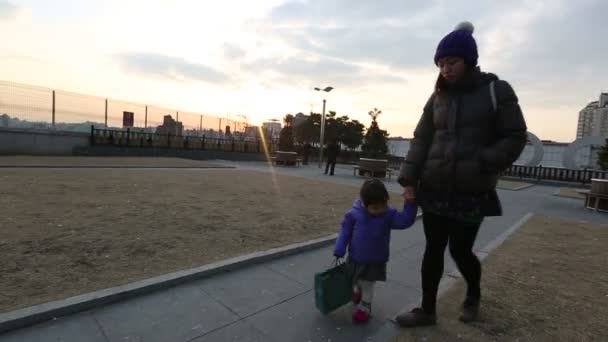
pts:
[263, 60]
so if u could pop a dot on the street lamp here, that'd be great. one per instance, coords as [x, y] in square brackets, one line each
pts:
[322, 137]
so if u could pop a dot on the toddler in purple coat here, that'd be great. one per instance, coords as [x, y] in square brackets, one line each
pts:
[366, 233]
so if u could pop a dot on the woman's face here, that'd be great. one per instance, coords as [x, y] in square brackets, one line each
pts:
[452, 68]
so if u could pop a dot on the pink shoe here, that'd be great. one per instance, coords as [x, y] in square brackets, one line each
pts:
[361, 316]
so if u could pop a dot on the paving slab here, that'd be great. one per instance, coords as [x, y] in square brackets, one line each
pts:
[298, 320]
[304, 266]
[240, 331]
[390, 298]
[250, 290]
[405, 271]
[177, 314]
[79, 328]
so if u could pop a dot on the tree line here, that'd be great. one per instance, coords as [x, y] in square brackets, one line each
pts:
[305, 129]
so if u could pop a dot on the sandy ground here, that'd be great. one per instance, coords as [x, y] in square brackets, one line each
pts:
[570, 193]
[548, 282]
[512, 185]
[65, 232]
[101, 161]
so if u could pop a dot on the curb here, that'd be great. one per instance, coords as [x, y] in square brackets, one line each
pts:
[450, 279]
[43, 312]
[110, 167]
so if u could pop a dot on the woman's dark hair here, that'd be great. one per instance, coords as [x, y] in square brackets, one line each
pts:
[373, 191]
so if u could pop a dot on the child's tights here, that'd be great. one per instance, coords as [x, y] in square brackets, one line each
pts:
[366, 289]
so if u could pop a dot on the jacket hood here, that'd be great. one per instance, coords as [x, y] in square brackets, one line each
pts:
[358, 205]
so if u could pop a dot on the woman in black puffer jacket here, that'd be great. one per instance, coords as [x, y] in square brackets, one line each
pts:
[471, 130]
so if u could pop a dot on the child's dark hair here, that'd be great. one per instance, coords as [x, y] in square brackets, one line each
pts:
[373, 191]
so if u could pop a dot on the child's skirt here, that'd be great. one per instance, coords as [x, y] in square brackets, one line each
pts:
[368, 271]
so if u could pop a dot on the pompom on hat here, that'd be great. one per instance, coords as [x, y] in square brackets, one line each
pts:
[459, 43]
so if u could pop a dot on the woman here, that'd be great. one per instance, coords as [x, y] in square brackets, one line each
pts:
[471, 130]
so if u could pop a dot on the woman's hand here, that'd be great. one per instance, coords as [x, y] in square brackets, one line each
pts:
[409, 194]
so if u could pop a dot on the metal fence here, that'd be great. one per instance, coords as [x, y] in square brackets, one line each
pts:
[555, 174]
[129, 138]
[28, 106]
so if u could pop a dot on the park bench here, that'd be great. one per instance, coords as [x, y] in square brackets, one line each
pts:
[597, 198]
[286, 158]
[375, 168]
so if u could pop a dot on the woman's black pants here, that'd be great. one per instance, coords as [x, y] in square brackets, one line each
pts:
[460, 235]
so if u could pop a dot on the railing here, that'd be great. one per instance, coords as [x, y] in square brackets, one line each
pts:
[128, 138]
[28, 106]
[555, 174]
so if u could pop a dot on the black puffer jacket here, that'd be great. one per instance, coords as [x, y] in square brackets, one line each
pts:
[461, 144]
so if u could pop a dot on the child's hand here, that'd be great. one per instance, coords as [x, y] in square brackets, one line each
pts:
[409, 195]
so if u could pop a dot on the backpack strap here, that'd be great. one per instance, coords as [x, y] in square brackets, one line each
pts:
[493, 95]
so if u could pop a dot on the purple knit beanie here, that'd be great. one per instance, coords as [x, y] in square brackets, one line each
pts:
[459, 43]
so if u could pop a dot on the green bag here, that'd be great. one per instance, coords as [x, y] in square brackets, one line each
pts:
[333, 288]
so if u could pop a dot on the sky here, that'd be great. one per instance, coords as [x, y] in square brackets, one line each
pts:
[263, 58]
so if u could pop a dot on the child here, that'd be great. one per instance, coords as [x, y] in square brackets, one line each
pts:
[366, 231]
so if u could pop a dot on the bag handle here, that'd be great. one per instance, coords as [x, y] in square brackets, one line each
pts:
[337, 262]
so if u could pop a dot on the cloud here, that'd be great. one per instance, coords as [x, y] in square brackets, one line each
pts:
[234, 52]
[7, 10]
[314, 71]
[168, 67]
[399, 34]
[322, 12]
[562, 47]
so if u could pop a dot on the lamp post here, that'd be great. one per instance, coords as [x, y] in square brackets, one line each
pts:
[322, 137]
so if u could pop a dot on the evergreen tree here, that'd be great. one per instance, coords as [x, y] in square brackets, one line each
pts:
[286, 137]
[375, 144]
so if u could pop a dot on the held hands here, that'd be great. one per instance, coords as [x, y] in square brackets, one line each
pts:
[409, 195]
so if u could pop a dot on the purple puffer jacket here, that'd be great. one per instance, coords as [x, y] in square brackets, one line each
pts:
[368, 237]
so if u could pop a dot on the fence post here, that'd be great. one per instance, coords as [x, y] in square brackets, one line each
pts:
[203, 143]
[106, 114]
[128, 136]
[92, 135]
[146, 118]
[168, 140]
[53, 110]
[232, 144]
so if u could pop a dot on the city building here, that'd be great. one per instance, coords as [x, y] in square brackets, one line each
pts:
[299, 119]
[252, 132]
[593, 119]
[272, 129]
[170, 126]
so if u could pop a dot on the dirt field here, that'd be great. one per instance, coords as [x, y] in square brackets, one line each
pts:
[66, 232]
[101, 161]
[546, 283]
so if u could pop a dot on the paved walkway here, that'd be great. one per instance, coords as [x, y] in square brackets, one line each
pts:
[274, 301]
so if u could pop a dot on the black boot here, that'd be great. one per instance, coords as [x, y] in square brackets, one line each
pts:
[470, 310]
[416, 318]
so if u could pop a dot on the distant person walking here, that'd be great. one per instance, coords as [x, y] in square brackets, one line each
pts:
[306, 151]
[333, 151]
[471, 130]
